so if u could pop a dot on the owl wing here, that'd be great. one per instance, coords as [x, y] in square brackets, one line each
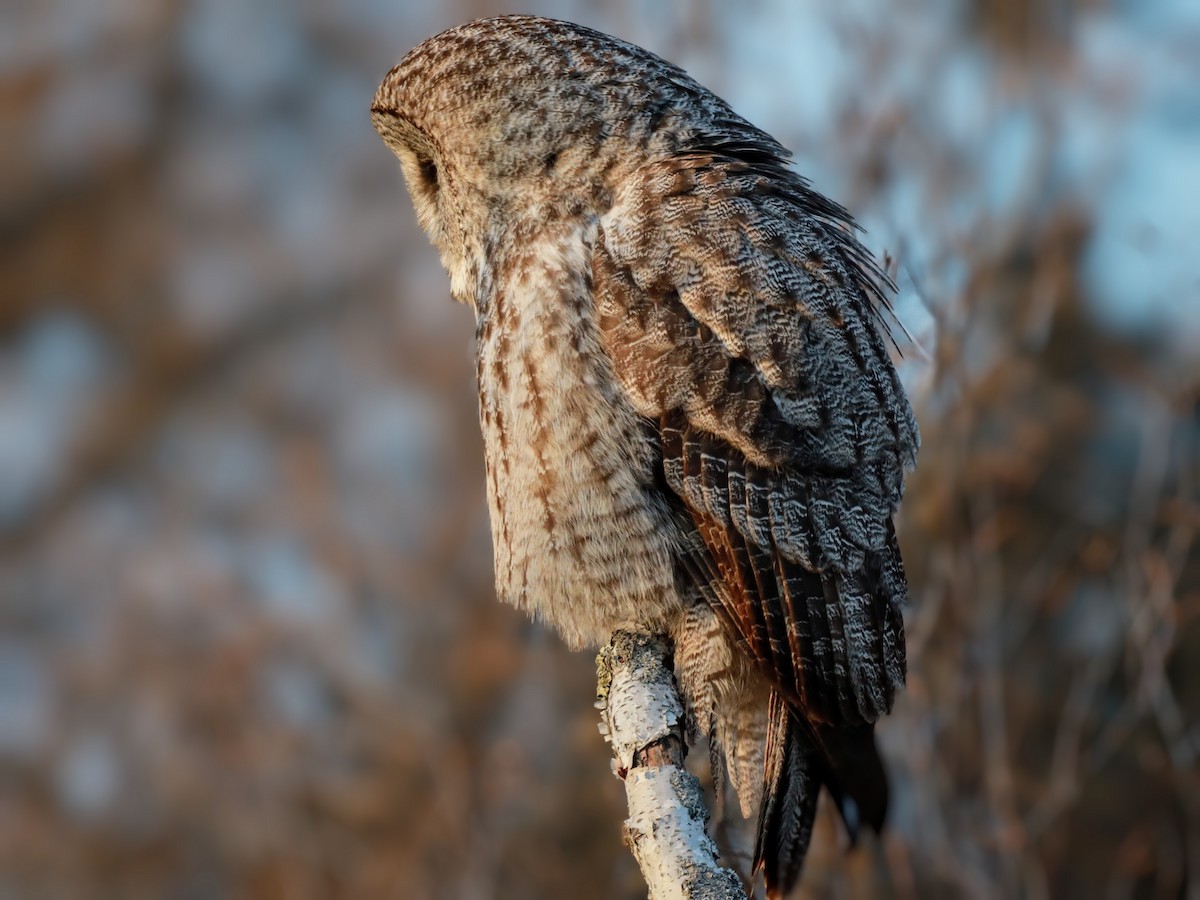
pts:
[740, 315]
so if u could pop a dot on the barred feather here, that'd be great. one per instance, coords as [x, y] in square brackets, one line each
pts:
[689, 414]
[738, 310]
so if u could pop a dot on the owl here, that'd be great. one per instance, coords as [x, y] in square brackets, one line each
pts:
[690, 416]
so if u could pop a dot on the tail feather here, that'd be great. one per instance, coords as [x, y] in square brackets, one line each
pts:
[799, 759]
[789, 802]
[854, 774]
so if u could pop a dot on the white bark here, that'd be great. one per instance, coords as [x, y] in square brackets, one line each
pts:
[667, 824]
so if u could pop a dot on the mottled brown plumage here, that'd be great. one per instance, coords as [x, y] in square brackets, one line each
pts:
[689, 414]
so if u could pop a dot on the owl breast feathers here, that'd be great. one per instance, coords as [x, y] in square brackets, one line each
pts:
[690, 417]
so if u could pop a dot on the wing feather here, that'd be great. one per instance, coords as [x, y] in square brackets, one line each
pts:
[739, 312]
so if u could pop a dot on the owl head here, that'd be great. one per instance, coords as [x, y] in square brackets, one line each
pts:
[510, 125]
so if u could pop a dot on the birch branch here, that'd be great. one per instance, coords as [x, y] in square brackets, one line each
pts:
[667, 825]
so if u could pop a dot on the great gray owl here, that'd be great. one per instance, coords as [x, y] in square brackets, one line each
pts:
[690, 416]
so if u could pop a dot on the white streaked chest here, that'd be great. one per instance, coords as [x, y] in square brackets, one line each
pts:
[580, 538]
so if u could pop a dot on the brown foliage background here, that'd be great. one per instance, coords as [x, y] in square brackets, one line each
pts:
[248, 645]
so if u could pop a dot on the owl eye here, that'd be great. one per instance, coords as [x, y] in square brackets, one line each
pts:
[429, 173]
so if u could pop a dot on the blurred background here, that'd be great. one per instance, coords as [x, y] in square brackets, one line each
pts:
[248, 642]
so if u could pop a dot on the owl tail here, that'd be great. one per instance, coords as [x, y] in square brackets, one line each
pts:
[799, 759]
